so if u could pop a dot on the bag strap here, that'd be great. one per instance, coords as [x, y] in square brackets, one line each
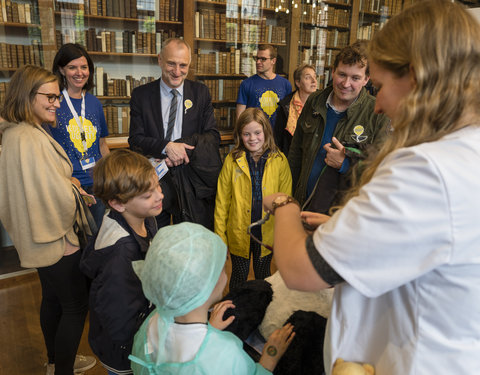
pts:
[87, 222]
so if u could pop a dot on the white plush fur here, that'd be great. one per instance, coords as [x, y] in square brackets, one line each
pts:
[285, 302]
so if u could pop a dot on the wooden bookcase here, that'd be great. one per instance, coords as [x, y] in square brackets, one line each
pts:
[124, 36]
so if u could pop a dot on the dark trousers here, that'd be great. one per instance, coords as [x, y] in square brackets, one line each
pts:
[97, 210]
[63, 310]
[241, 266]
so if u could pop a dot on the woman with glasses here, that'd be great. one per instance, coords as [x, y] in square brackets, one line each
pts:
[291, 106]
[81, 127]
[403, 252]
[38, 210]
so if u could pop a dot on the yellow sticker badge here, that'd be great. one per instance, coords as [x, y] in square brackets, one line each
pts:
[269, 102]
[188, 104]
[358, 136]
[75, 135]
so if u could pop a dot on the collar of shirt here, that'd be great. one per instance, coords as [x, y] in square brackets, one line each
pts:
[330, 104]
[165, 90]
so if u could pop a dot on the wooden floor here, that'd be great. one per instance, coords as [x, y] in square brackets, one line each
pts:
[21, 341]
[23, 350]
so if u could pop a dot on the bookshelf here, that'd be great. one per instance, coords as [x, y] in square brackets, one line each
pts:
[324, 30]
[124, 36]
[373, 14]
[226, 35]
[21, 42]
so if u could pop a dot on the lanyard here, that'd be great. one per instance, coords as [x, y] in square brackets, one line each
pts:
[75, 115]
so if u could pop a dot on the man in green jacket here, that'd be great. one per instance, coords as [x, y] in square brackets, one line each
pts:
[332, 132]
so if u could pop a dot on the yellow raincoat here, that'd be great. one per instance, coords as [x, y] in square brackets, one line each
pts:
[233, 203]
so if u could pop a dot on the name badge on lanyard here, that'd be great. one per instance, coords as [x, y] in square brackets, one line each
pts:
[86, 162]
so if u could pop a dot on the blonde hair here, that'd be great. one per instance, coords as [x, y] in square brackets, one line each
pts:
[247, 116]
[21, 92]
[122, 175]
[438, 42]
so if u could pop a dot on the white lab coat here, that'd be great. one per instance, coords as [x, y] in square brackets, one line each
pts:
[409, 249]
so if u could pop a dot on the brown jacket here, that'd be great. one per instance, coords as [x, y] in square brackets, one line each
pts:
[37, 205]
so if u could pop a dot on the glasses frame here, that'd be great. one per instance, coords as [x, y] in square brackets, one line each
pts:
[262, 59]
[259, 223]
[52, 97]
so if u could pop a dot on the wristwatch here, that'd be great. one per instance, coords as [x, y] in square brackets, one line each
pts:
[283, 200]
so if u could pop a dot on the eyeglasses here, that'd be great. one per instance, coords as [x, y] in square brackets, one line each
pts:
[262, 59]
[259, 223]
[52, 97]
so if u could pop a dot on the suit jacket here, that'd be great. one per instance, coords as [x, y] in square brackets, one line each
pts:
[146, 123]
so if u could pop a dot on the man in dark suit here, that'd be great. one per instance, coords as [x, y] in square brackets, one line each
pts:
[168, 118]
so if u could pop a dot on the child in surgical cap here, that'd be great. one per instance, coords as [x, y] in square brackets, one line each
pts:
[183, 275]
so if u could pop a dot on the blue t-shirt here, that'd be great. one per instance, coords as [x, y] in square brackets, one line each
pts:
[67, 134]
[264, 93]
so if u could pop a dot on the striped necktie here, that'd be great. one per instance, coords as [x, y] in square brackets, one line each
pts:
[172, 115]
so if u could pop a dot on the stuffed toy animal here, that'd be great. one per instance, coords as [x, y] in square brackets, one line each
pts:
[251, 300]
[351, 368]
[304, 356]
[286, 301]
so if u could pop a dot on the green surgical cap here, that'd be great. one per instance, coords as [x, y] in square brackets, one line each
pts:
[181, 269]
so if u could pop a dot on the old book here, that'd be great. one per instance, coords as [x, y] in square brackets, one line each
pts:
[115, 120]
[109, 7]
[14, 58]
[20, 55]
[110, 119]
[31, 58]
[37, 52]
[3, 55]
[92, 6]
[197, 24]
[8, 11]
[14, 12]
[115, 8]
[125, 120]
[171, 10]
[99, 8]
[166, 4]
[28, 13]
[149, 47]
[133, 8]
[99, 75]
[21, 13]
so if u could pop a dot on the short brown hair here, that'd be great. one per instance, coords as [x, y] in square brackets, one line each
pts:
[268, 47]
[247, 116]
[122, 175]
[354, 54]
[297, 74]
[24, 84]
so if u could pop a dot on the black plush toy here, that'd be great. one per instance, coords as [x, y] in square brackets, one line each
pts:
[251, 300]
[305, 353]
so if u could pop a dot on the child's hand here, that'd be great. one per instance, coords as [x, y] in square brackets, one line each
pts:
[276, 346]
[216, 316]
[311, 220]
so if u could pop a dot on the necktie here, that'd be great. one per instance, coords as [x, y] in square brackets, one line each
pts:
[172, 115]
